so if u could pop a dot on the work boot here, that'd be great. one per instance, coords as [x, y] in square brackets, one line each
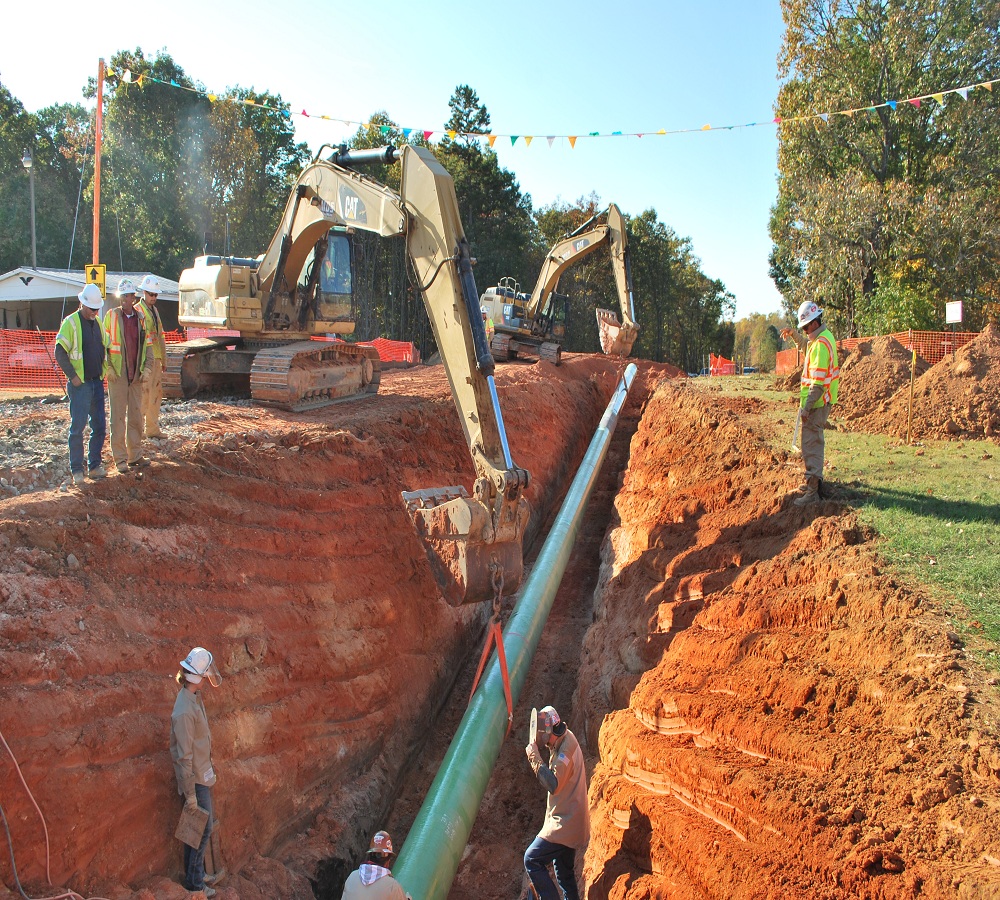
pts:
[139, 463]
[76, 478]
[98, 473]
[825, 491]
[810, 494]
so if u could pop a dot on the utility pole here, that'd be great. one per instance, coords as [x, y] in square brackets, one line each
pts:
[29, 164]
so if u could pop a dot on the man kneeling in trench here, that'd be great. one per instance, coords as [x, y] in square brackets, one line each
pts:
[567, 816]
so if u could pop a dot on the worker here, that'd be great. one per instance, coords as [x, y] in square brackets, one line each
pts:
[817, 395]
[152, 391]
[566, 828]
[191, 751]
[489, 326]
[81, 351]
[128, 367]
[373, 880]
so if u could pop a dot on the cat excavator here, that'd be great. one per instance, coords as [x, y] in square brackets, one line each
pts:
[271, 309]
[534, 324]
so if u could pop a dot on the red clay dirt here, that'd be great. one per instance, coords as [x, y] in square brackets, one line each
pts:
[774, 715]
[869, 376]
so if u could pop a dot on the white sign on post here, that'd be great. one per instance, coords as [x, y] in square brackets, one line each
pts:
[953, 312]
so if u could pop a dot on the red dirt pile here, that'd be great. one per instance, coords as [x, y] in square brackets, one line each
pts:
[957, 398]
[869, 377]
[280, 542]
[776, 717]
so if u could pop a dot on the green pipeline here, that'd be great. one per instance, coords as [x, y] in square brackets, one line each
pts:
[433, 849]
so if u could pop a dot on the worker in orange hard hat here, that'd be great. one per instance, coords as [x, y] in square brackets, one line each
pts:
[566, 828]
[373, 880]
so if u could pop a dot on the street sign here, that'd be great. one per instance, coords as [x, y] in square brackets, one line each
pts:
[96, 275]
[953, 312]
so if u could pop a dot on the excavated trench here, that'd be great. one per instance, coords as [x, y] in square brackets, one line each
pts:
[766, 712]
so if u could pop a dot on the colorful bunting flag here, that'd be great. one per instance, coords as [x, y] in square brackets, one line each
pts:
[528, 139]
[572, 140]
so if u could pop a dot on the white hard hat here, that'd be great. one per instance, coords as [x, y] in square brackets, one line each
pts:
[125, 286]
[151, 284]
[91, 297]
[199, 664]
[807, 312]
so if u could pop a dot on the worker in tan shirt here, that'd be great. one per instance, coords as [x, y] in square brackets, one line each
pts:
[567, 814]
[152, 394]
[373, 880]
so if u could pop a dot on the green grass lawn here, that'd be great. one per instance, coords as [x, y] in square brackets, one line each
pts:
[936, 505]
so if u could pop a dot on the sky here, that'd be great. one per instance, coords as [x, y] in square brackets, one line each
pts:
[540, 68]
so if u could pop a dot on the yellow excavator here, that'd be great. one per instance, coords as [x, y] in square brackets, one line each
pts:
[534, 325]
[301, 288]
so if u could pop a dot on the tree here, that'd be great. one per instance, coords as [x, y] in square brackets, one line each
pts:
[884, 214]
[468, 116]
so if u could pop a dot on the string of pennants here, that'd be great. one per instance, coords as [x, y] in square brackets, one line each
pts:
[125, 77]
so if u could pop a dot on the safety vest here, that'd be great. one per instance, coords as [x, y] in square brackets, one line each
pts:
[70, 338]
[821, 367]
[156, 339]
[114, 325]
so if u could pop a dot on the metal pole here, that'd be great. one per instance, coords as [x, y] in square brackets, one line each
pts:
[99, 135]
[31, 183]
[433, 849]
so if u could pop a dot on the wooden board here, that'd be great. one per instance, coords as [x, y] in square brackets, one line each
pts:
[191, 826]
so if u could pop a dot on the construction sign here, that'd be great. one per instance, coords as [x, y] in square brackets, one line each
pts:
[96, 275]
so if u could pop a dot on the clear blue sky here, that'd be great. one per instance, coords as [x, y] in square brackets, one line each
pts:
[540, 68]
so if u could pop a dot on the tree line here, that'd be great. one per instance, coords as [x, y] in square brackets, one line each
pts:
[182, 175]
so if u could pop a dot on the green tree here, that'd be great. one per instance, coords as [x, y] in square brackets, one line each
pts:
[885, 214]
[468, 116]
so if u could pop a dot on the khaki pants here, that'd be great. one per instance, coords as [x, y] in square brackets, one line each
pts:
[152, 395]
[813, 445]
[126, 419]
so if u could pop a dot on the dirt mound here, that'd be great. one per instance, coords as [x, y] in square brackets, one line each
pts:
[871, 374]
[280, 541]
[775, 715]
[957, 398]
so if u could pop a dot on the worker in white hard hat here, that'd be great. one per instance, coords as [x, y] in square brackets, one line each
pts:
[129, 364]
[817, 395]
[81, 352]
[373, 880]
[152, 392]
[566, 828]
[191, 750]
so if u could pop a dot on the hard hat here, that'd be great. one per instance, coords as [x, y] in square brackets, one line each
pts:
[807, 312]
[199, 663]
[151, 284]
[125, 286]
[91, 297]
[549, 721]
[381, 844]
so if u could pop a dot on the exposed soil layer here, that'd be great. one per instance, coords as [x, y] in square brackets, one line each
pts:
[870, 375]
[776, 717]
[280, 541]
[957, 398]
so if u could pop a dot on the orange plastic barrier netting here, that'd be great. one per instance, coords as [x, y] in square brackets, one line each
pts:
[719, 365]
[932, 346]
[28, 358]
[388, 351]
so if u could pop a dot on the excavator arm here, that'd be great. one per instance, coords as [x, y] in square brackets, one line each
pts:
[617, 336]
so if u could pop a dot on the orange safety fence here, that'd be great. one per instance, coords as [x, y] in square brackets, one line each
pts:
[388, 351]
[719, 365]
[28, 358]
[932, 346]
[788, 361]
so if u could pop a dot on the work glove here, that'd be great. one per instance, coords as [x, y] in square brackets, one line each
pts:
[112, 378]
[191, 803]
[534, 757]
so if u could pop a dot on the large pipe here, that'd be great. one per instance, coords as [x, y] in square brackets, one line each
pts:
[433, 849]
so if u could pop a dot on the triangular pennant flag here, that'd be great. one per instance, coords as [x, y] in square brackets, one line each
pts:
[384, 129]
[305, 114]
[988, 85]
[550, 139]
[406, 133]
[513, 139]
[127, 76]
[825, 117]
[325, 117]
[915, 103]
[964, 92]
[849, 113]
[427, 135]
[891, 104]
[938, 97]
[451, 135]
[174, 83]
[706, 127]
[777, 120]
[212, 98]
[639, 134]
[139, 82]
[616, 132]
[528, 139]
[662, 131]
[492, 138]
[572, 140]
[595, 134]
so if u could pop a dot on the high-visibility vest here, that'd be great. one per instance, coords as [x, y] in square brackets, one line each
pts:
[70, 338]
[821, 367]
[156, 339]
[114, 325]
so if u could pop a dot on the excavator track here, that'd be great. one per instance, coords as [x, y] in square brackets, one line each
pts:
[311, 374]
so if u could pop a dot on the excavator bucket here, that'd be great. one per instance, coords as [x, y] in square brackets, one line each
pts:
[467, 554]
[616, 339]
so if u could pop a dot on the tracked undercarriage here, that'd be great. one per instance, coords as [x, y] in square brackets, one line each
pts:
[294, 375]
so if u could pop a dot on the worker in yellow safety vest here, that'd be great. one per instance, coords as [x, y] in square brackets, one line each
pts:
[152, 392]
[817, 395]
[129, 365]
[81, 352]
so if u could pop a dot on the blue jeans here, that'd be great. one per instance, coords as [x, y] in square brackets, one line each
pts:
[536, 861]
[86, 402]
[194, 860]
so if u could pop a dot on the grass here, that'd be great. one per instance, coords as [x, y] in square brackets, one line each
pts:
[936, 505]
